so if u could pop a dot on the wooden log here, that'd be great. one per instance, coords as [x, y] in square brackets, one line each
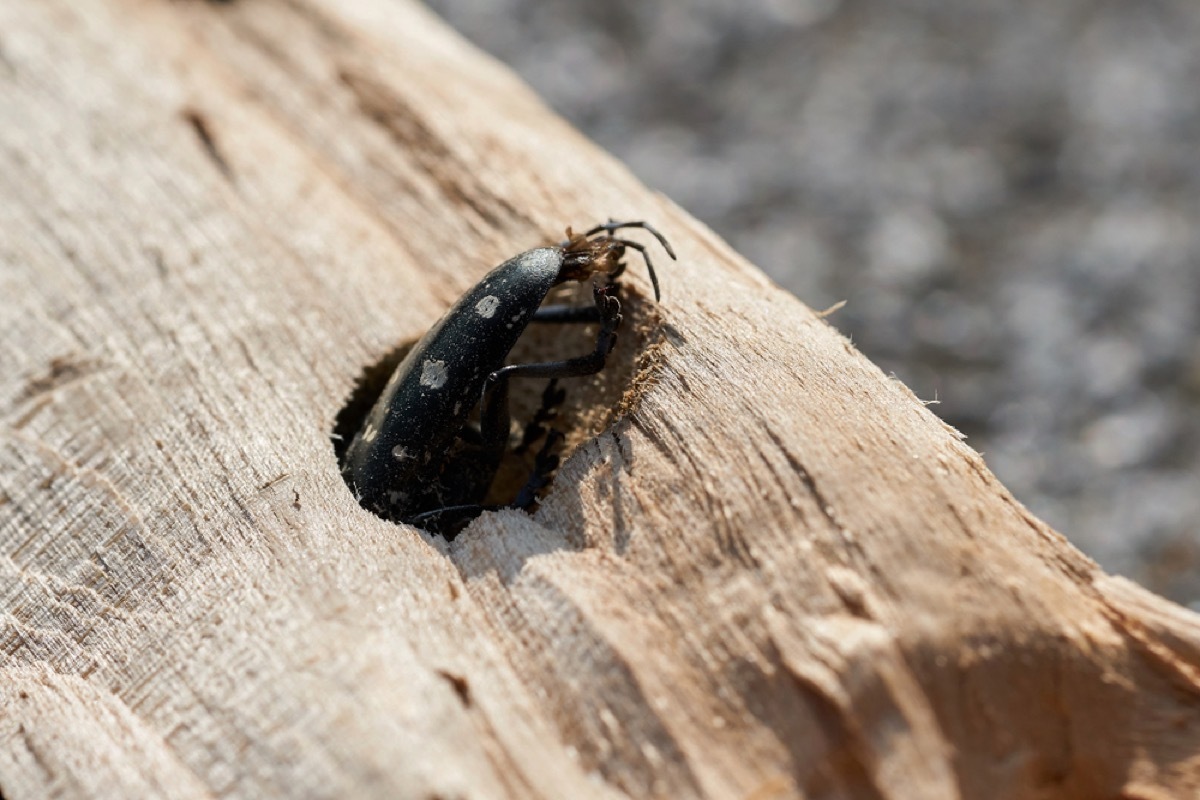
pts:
[765, 570]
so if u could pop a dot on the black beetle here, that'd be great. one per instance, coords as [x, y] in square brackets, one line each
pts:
[417, 458]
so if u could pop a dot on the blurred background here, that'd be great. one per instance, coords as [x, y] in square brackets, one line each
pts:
[1004, 193]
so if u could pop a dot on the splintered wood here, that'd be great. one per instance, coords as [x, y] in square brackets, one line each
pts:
[775, 574]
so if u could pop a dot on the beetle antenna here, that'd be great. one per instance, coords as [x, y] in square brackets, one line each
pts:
[613, 225]
[641, 248]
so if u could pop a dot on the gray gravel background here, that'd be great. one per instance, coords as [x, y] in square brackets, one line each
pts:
[1005, 194]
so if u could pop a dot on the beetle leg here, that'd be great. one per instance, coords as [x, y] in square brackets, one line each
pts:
[641, 248]
[449, 520]
[494, 420]
[552, 398]
[544, 465]
[609, 310]
[494, 426]
[566, 314]
[436, 520]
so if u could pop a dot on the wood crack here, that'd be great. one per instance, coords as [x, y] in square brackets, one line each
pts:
[200, 126]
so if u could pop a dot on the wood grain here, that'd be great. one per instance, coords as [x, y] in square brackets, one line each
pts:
[774, 574]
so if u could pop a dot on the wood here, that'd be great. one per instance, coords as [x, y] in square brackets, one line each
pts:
[776, 574]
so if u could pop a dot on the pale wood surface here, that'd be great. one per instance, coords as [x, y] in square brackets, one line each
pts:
[778, 575]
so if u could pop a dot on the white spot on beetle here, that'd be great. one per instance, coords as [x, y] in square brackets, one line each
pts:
[433, 374]
[400, 453]
[369, 433]
[486, 307]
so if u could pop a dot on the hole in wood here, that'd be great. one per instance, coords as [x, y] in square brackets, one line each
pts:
[589, 404]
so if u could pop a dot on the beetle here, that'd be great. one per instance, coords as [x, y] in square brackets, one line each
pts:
[418, 457]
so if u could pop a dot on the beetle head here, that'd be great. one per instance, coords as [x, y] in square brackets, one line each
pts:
[587, 253]
[584, 256]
